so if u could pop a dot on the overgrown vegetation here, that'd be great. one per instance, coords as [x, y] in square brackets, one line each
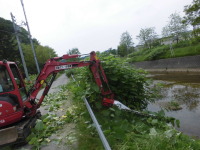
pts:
[135, 92]
[122, 129]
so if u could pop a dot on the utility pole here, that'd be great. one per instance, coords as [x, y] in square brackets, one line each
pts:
[19, 45]
[30, 37]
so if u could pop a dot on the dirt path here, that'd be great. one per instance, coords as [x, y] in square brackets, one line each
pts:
[67, 129]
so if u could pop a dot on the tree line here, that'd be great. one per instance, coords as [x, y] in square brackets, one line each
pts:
[175, 30]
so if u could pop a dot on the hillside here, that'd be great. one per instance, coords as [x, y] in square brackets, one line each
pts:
[184, 48]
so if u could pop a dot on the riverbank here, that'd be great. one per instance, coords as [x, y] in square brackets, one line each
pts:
[181, 64]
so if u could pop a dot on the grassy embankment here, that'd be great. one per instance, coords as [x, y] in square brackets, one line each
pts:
[123, 130]
[163, 52]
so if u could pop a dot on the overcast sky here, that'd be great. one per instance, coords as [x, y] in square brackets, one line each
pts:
[90, 25]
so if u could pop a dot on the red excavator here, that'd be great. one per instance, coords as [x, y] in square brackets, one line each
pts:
[19, 108]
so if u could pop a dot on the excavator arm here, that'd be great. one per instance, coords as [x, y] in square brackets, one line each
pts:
[55, 65]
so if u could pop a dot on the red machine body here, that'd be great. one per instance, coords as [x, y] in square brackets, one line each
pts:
[19, 109]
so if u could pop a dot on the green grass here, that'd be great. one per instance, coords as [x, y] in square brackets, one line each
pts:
[185, 51]
[163, 52]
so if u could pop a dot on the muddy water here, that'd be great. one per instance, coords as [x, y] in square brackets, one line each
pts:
[184, 89]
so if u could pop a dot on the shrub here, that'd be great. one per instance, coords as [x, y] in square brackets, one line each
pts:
[181, 44]
[195, 40]
[70, 72]
[129, 85]
[155, 55]
[29, 83]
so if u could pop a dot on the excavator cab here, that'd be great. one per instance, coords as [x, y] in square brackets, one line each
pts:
[13, 96]
[12, 93]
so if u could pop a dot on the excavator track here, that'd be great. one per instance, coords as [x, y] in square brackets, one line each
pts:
[19, 132]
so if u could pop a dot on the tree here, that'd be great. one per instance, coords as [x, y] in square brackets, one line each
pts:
[193, 16]
[122, 50]
[175, 27]
[35, 42]
[112, 51]
[126, 44]
[43, 54]
[166, 32]
[73, 51]
[8, 45]
[23, 35]
[147, 37]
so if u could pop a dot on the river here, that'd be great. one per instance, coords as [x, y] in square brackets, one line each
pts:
[182, 90]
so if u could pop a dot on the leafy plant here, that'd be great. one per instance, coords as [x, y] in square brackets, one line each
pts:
[30, 82]
[48, 123]
[129, 85]
[156, 55]
[43, 129]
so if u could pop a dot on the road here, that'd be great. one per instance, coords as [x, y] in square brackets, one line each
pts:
[62, 80]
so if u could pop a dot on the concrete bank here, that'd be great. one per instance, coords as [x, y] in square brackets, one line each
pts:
[180, 64]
